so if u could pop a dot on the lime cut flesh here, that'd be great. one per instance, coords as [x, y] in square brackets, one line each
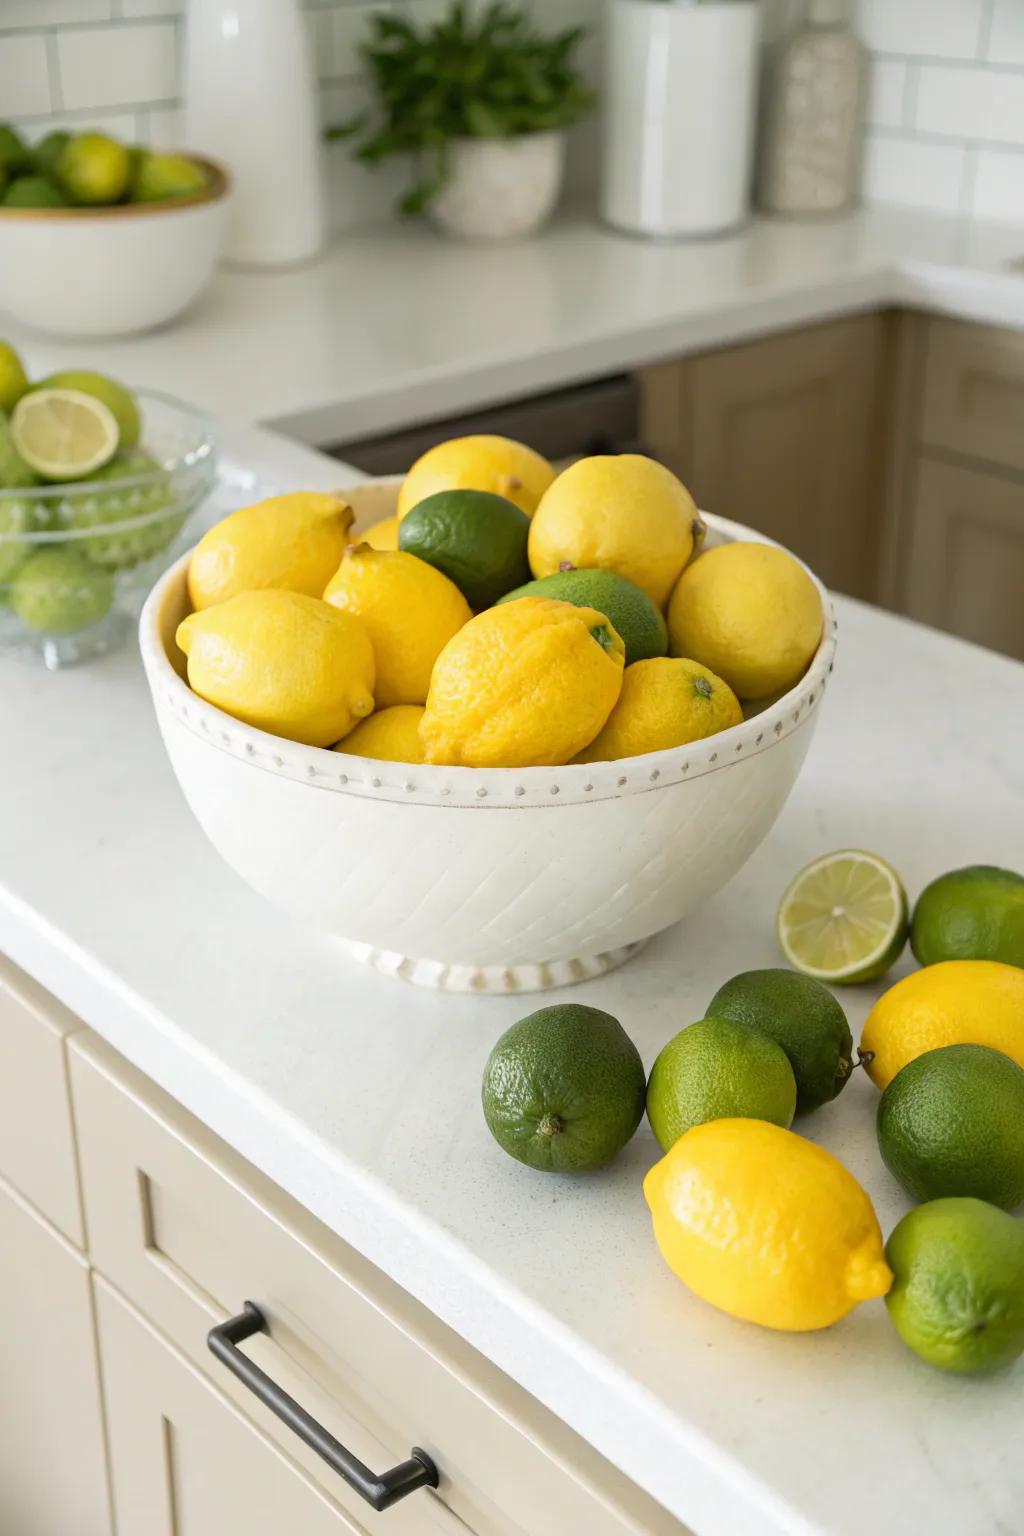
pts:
[844, 917]
[64, 434]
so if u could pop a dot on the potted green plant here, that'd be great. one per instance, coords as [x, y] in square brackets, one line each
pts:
[480, 105]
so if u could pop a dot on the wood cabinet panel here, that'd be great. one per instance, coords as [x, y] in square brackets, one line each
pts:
[973, 400]
[52, 1469]
[183, 1461]
[963, 558]
[188, 1232]
[783, 434]
[37, 1151]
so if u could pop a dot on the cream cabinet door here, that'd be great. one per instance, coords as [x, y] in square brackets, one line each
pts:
[783, 434]
[963, 555]
[183, 1460]
[52, 1468]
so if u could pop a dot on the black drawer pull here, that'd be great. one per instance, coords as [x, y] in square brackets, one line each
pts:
[383, 1491]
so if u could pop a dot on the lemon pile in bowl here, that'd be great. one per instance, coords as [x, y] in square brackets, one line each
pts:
[505, 617]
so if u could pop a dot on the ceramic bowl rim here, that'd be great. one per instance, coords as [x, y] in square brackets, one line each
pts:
[483, 788]
[218, 188]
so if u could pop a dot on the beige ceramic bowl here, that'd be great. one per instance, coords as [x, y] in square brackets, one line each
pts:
[111, 271]
[495, 879]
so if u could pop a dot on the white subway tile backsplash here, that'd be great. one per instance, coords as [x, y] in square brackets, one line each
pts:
[356, 192]
[971, 103]
[1006, 34]
[114, 66]
[918, 174]
[163, 128]
[929, 28]
[135, 8]
[999, 186]
[886, 94]
[24, 75]
[52, 13]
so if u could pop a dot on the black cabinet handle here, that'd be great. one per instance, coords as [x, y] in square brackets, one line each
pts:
[383, 1491]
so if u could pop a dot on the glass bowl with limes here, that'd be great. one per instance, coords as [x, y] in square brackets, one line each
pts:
[97, 488]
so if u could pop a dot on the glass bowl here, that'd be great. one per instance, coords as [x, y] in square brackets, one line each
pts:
[76, 560]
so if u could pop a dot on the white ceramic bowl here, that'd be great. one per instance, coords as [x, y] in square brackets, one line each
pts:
[493, 879]
[111, 271]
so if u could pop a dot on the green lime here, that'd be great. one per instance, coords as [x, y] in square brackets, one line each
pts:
[630, 611]
[951, 1122]
[564, 1089]
[716, 1070]
[143, 532]
[804, 1018]
[118, 400]
[159, 176]
[15, 547]
[58, 591]
[93, 169]
[15, 474]
[958, 1295]
[46, 152]
[476, 538]
[63, 434]
[843, 919]
[14, 156]
[34, 192]
[975, 913]
[13, 378]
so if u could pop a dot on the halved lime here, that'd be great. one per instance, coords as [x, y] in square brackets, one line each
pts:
[844, 918]
[64, 434]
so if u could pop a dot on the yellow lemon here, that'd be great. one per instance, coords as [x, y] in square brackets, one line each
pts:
[664, 702]
[957, 1002]
[382, 535]
[751, 613]
[619, 512]
[765, 1225]
[293, 542]
[527, 682]
[283, 662]
[479, 463]
[393, 735]
[410, 610]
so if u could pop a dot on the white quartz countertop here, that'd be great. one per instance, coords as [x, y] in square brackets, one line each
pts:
[394, 325]
[360, 1095]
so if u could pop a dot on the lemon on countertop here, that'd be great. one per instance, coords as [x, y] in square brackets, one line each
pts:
[765, 1225]
[410, 611]
[955, 1002]
[751, 613]
[293, 542]
[392, 735]
[665, 702]
[617, 512]
[478, 463]
[529, 682]
[282, 662]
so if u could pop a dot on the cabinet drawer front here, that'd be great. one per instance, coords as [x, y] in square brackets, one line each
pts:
[37, 1148]
[189, 1231]
[183, 1462]
[974, 392]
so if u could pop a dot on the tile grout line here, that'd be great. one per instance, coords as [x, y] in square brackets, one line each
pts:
[945, 140]
[911, 91]
[967, 179]
[986, 22]
[53, 73]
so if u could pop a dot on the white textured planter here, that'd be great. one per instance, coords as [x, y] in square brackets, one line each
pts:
[679, 113]
[500, 189]
[491, 879]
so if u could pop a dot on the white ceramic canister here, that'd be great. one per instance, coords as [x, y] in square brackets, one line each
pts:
[679, 114]
[250, 102]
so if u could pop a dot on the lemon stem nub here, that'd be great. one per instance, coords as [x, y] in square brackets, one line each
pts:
[566, 565]
[702, 686]
[603, 638]
[550, 1125]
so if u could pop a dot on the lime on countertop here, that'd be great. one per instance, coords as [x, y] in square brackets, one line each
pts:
[843, 919]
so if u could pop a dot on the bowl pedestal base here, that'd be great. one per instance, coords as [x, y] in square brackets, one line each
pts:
[529, 976]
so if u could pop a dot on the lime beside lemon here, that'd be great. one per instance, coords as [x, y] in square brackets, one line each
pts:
[843, 919]
[718, 1070]
[475, 538]
[800, 1015]
[640, 623]
[975, 913]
